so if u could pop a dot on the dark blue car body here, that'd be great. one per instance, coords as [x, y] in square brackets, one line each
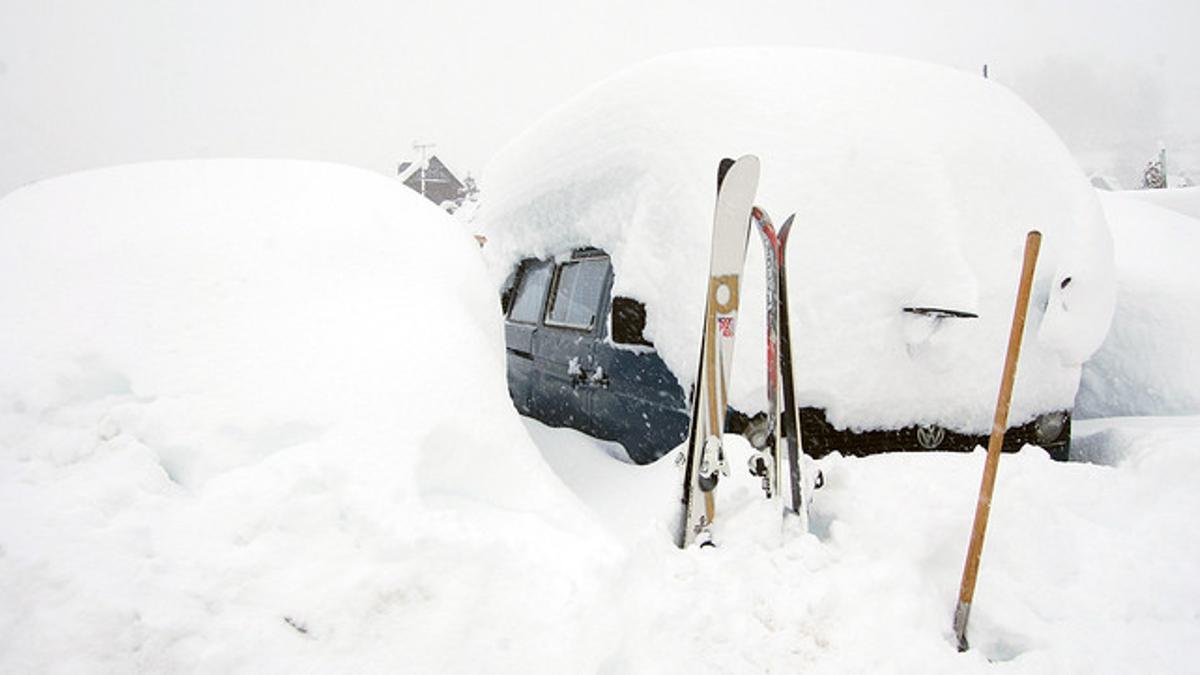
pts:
[577, 358]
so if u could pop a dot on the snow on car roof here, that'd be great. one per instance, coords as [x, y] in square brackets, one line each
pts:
[227, 310]
[913, 185]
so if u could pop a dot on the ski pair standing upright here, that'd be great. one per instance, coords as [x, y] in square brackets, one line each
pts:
[777, 460]
[704, 461]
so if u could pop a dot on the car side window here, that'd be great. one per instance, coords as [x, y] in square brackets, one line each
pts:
[531, 294]
[577, 292]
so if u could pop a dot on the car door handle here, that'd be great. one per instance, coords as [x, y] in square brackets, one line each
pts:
[598, 378]
[576, 373]
[582, 377]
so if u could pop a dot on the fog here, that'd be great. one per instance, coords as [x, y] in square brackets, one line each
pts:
[86, 84]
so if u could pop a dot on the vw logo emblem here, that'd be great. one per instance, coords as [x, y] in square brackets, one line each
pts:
[930, 437]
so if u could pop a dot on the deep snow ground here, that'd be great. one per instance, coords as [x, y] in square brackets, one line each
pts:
[217, 454]
[1089, 566]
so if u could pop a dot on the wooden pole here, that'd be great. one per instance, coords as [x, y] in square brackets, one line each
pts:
[983, 507]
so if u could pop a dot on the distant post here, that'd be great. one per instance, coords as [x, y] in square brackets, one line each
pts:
[985, 76]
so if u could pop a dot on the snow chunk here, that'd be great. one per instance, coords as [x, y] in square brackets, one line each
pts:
[913, 184]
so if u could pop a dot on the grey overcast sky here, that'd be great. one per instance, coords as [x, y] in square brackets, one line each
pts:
[88, 83]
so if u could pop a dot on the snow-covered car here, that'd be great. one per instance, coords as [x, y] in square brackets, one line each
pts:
[913, 187]
[239, 398]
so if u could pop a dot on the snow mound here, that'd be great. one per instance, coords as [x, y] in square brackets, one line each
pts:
[253, 417]
[913, 185]
[1184, 200]
[1148, 365]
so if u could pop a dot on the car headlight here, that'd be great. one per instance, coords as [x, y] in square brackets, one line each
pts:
[1049, 427]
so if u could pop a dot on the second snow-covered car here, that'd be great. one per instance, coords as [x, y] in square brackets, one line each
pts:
[913, 187]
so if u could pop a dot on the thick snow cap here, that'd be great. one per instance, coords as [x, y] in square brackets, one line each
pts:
[913, 185]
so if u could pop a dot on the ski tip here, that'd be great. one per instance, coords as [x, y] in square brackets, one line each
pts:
[750, 162]
[723, 168]
[785, 229]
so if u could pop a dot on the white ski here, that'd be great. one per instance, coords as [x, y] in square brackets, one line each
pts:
[704, 460]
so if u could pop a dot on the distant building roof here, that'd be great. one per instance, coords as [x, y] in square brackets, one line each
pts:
[436, 182]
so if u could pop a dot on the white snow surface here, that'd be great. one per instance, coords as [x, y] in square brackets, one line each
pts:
[1088, 566]
[1149, 364]
[1185, 200]
[253, 418]
[913, 185]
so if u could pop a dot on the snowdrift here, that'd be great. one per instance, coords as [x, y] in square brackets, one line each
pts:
[1184, 200]
[253, 417]
[1148, 365]
[913, 185]
[1088, 567]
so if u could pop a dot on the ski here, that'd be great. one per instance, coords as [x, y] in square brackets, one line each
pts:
[765, 462]
[704, 456]
[777, 460]
[797, 493]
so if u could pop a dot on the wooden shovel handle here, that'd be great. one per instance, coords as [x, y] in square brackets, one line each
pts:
[983, 507]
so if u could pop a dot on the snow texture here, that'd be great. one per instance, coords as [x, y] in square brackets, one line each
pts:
[1088, 566]
[253, 418]
[1185, 200]
[913, 185]
[1148, 365]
